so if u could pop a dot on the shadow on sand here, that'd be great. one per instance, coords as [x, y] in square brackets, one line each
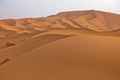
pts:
[21, 48]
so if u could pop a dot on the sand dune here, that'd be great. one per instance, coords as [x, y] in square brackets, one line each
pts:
[74, 45]
[25, 46]
[90, 19]
[71, 58]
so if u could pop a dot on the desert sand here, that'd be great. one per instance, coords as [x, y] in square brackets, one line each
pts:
[75, 45]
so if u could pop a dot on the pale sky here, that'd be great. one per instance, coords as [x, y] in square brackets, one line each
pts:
[39, 8]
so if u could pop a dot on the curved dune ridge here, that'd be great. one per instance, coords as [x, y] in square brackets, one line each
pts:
[74, 45]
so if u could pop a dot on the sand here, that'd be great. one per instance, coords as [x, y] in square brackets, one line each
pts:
[64, 53]
[52, 56]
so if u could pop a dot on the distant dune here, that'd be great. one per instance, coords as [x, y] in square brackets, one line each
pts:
[74, 45]
[88, 20]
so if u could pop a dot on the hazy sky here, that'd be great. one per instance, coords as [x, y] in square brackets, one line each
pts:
[38, 8]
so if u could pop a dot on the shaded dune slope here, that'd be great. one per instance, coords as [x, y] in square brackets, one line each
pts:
[28, 44]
